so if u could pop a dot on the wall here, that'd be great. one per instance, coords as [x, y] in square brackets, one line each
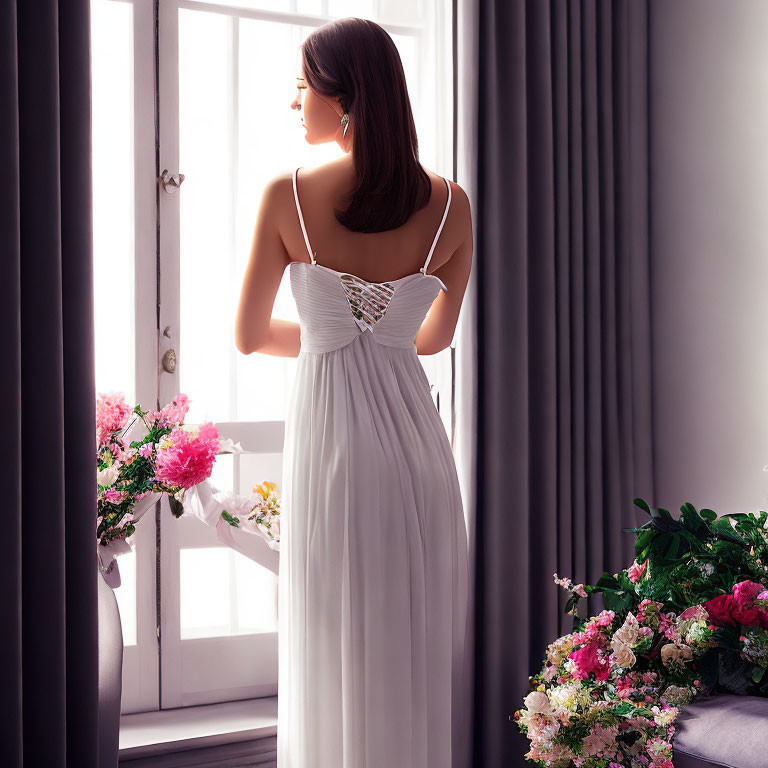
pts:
[709, 241]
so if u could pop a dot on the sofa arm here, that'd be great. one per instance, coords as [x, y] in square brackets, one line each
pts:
[722, 730]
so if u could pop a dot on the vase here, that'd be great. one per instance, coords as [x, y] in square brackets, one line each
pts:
[110, 674]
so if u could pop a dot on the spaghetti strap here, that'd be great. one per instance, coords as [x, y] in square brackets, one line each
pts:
[301, 218]
[439, 229]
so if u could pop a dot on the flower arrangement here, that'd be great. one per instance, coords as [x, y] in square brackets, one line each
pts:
[141, 458]
[689, 616]
[259, 513]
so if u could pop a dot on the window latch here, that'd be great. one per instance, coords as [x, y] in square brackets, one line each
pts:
[171, 182]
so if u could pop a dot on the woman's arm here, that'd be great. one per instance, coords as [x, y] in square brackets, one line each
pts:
[437, 330]
[283, 339]
[255, 328]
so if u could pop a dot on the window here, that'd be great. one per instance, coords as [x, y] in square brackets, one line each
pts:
[226, 75]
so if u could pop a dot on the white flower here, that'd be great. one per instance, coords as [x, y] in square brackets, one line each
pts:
[571, 667]
[226, 445]
[236, 505]
[629, 632]
[108, 475]
[669, 652]
[672, 652]
[537, 701]
[566, 698]
[664, 716]
[623, 654]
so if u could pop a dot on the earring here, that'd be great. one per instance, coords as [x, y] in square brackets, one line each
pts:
[345, 123]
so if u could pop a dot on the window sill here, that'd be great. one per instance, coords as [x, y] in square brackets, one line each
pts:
[215, 731]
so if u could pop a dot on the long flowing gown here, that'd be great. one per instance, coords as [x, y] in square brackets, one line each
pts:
[373, 544]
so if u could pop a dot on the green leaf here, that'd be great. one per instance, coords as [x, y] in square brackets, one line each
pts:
[177, 508]
[673, 549]
[616, 600]
[643, 541]
[607, 580]
[757, 674]
[233, 521]
[643, 505]
[725, 531]
[571, 602]
[708, 514]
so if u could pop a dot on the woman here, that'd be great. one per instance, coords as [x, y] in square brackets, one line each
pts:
[373, 571]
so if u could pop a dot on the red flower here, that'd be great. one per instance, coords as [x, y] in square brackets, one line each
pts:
[744, 609]
[738, 607]
[719, 609]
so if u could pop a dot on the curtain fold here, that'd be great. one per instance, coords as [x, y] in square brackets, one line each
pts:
[564, 344]
[47, 552]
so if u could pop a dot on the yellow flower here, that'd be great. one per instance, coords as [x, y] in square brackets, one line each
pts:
[264, 488]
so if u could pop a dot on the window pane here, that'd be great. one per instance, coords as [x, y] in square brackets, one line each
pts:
[206, 346]
[113, 196]
[286, 6]
[205, 592]
[224, 593]
[113, 230]
[237, 131]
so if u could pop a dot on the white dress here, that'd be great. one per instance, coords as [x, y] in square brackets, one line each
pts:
[373, 544]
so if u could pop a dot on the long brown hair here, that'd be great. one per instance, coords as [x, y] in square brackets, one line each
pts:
[356, 60]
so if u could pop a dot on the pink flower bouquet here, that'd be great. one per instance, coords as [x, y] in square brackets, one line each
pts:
[688, 616]
[140, 456]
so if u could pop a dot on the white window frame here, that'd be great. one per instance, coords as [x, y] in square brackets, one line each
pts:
[162, 670]
[140, 661]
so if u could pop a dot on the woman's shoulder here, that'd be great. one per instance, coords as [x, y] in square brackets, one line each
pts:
[280, 186]
[459, 197]
[459, 213]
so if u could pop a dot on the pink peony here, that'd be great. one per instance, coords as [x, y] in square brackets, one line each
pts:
[587, 659]
[112, 413]
[695, 612]
[172, 414]
[114, 496]
[601, 739]
[188, 460]
[603, 619]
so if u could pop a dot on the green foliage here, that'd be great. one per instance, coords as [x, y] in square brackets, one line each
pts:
[690, 559]
[233, 521]
[177, 508]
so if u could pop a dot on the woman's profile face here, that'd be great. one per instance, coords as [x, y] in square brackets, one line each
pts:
[320, 116]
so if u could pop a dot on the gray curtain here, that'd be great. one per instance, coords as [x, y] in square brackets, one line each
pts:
[564, 380]
[48, 587]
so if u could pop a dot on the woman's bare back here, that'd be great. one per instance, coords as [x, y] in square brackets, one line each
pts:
[375, 257]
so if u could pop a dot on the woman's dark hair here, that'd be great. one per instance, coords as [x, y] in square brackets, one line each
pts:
[356, 60]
